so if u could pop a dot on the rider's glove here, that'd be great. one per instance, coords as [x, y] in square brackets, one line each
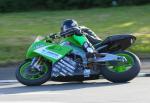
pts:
[53, 36]
[71, 31]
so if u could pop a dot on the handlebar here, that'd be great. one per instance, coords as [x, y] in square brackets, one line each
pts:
[54, 36]
[66, 33]
[71, 31]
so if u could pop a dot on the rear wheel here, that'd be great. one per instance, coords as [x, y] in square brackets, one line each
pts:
[122, 72]
[29, 76]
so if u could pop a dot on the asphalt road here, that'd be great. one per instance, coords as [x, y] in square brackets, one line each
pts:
[96, 91]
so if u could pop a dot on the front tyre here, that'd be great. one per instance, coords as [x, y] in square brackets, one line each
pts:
[119, 73]
[30, 76]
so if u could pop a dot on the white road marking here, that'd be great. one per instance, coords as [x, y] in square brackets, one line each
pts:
[30, 102]
[35, 93]
[8, 81]
[142, 74]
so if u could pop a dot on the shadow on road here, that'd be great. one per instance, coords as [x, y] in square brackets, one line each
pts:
[55, 87]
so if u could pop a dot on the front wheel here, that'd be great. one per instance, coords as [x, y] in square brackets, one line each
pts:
[122, 72]
[29, 76]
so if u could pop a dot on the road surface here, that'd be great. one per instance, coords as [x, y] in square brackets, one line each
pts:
[96, 91]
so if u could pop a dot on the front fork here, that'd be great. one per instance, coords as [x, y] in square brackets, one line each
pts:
[36, 63]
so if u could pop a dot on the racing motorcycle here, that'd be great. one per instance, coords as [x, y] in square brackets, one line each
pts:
[66, 62]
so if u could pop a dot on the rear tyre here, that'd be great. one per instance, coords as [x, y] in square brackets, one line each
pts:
[124, 72]
[29, 77]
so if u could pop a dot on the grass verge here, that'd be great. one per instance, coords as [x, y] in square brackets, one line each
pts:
[18, 30]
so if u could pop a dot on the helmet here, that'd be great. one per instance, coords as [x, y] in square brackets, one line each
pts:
[67, 24]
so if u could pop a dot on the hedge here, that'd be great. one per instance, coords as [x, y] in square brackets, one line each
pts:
[24, 5]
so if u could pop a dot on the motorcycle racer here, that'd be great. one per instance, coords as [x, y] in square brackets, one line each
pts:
[81, 34]
[65, 60]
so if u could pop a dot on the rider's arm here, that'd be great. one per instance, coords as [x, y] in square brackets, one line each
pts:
[89, 32]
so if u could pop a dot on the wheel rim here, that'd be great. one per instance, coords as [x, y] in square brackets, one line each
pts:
[122, 67]
[29, 74]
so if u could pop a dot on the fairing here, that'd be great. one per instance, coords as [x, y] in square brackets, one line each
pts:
[76, 40]
[50, 51]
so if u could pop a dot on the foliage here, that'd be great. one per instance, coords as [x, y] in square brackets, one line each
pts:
[25, 5]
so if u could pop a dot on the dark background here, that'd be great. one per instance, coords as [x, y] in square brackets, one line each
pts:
[28, 5]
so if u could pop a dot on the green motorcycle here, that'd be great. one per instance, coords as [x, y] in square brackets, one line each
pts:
[66, 61]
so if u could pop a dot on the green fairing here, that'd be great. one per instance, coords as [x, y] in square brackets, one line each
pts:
[55, 49]
[34, 46]
[76, 40]
[61, 50]
[80, 39]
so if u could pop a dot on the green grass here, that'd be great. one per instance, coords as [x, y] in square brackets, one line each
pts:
[18, 30]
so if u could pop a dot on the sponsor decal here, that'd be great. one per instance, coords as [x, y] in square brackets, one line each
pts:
[55, 74]
[62, 74]
[67, 68]
[55, 69]
[64, 70]
[70, 74]
[48, 53]
[67, 64]
[38, 46]
[70, 61]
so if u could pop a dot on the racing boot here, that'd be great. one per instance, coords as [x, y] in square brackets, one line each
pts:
[90, 51]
